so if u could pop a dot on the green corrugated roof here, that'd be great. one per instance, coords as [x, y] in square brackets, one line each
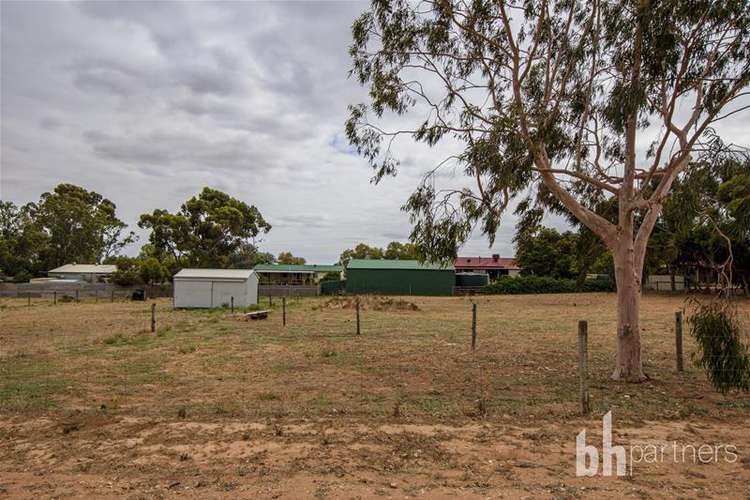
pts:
[397, 264]
[297, 268]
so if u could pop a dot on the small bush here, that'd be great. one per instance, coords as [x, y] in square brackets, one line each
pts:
[722, 354]
[544, 284]
[187, 349]
[268, 396]
[117, 338]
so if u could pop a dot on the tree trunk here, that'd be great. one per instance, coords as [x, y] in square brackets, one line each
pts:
[628, 365]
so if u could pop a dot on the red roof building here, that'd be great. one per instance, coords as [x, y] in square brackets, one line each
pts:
[495, 266]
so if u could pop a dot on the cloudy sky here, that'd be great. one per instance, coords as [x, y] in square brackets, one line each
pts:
[146, 103]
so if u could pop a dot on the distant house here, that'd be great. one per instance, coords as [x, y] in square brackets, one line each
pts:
[293, 274]
[494, 266]
[92, 273]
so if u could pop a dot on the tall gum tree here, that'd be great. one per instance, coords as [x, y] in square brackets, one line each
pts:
[547, 100]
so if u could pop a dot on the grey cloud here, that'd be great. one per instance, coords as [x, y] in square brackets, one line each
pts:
[50, 123]
[182, 150]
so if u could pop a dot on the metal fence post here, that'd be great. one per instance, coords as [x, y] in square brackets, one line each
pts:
[153, 317]
[283, 310]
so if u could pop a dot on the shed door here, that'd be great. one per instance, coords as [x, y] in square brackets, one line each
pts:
[192, 293]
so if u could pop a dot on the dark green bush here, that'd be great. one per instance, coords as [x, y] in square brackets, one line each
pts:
[544, 284]
[722, 354]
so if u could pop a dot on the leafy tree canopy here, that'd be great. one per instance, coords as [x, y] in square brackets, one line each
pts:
[288, 258]
[394, 251]
[210, 230]
[69, 224]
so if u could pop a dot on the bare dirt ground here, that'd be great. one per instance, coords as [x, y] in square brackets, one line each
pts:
[94, 405]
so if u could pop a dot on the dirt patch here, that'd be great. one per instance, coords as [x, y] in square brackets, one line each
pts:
[369, 302]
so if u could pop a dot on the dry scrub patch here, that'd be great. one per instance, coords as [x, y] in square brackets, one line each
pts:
[368, 302]
[93, 404]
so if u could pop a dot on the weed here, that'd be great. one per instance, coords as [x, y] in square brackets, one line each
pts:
[268, 396]
[187, 348]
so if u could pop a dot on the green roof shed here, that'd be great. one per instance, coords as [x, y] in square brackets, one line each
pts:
[399, 277]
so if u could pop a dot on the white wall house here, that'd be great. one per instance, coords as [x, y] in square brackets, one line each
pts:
[92, 273]
[208, 288]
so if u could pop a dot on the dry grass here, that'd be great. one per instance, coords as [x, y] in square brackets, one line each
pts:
[92, 355]
[94, 405]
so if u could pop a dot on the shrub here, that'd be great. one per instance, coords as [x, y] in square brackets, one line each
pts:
[545, 284]
[22, 276]
[722, 354]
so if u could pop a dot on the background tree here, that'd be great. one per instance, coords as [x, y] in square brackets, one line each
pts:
[554, 95]
[151, 271]
[395, 250]
[707, 218]
[208, 231]
[247, 256]
[288, 258]
[361, 251]
[401, 251]
[77, 226]
[21, 243]
[548, 253]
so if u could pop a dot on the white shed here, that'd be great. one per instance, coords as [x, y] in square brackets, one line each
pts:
[215, 287]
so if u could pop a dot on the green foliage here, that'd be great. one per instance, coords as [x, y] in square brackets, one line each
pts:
[709, 205]
[151, 271]
[78, 226]
[22, 276]
[20, 242]
[127, 270]
[210, 230]
[69, 224]
[361, 251]
[394, 251]
[288, 258]
[548, 253]
[517, 285]
[723, 355]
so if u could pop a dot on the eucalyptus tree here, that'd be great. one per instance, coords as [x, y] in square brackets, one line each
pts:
[571, 103]
[211, 229]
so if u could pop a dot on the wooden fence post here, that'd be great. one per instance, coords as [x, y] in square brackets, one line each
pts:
[583, 365]
[678, 339]
[29, 297]
[283, 310]
[113, 295]
[270, 300]
[473, 326]
[76, 295]
[54, 297]
[358, 330]
[231, 301]
[153, 317]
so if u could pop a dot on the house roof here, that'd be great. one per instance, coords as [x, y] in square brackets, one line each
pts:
[397, 264]
[485, 263]
[85, 269]
[298, 268]
[215, 273]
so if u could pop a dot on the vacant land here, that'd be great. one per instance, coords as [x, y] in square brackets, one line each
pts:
[93, 404]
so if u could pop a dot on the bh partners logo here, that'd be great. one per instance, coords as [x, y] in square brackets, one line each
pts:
[585, 451]
[588, 456]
